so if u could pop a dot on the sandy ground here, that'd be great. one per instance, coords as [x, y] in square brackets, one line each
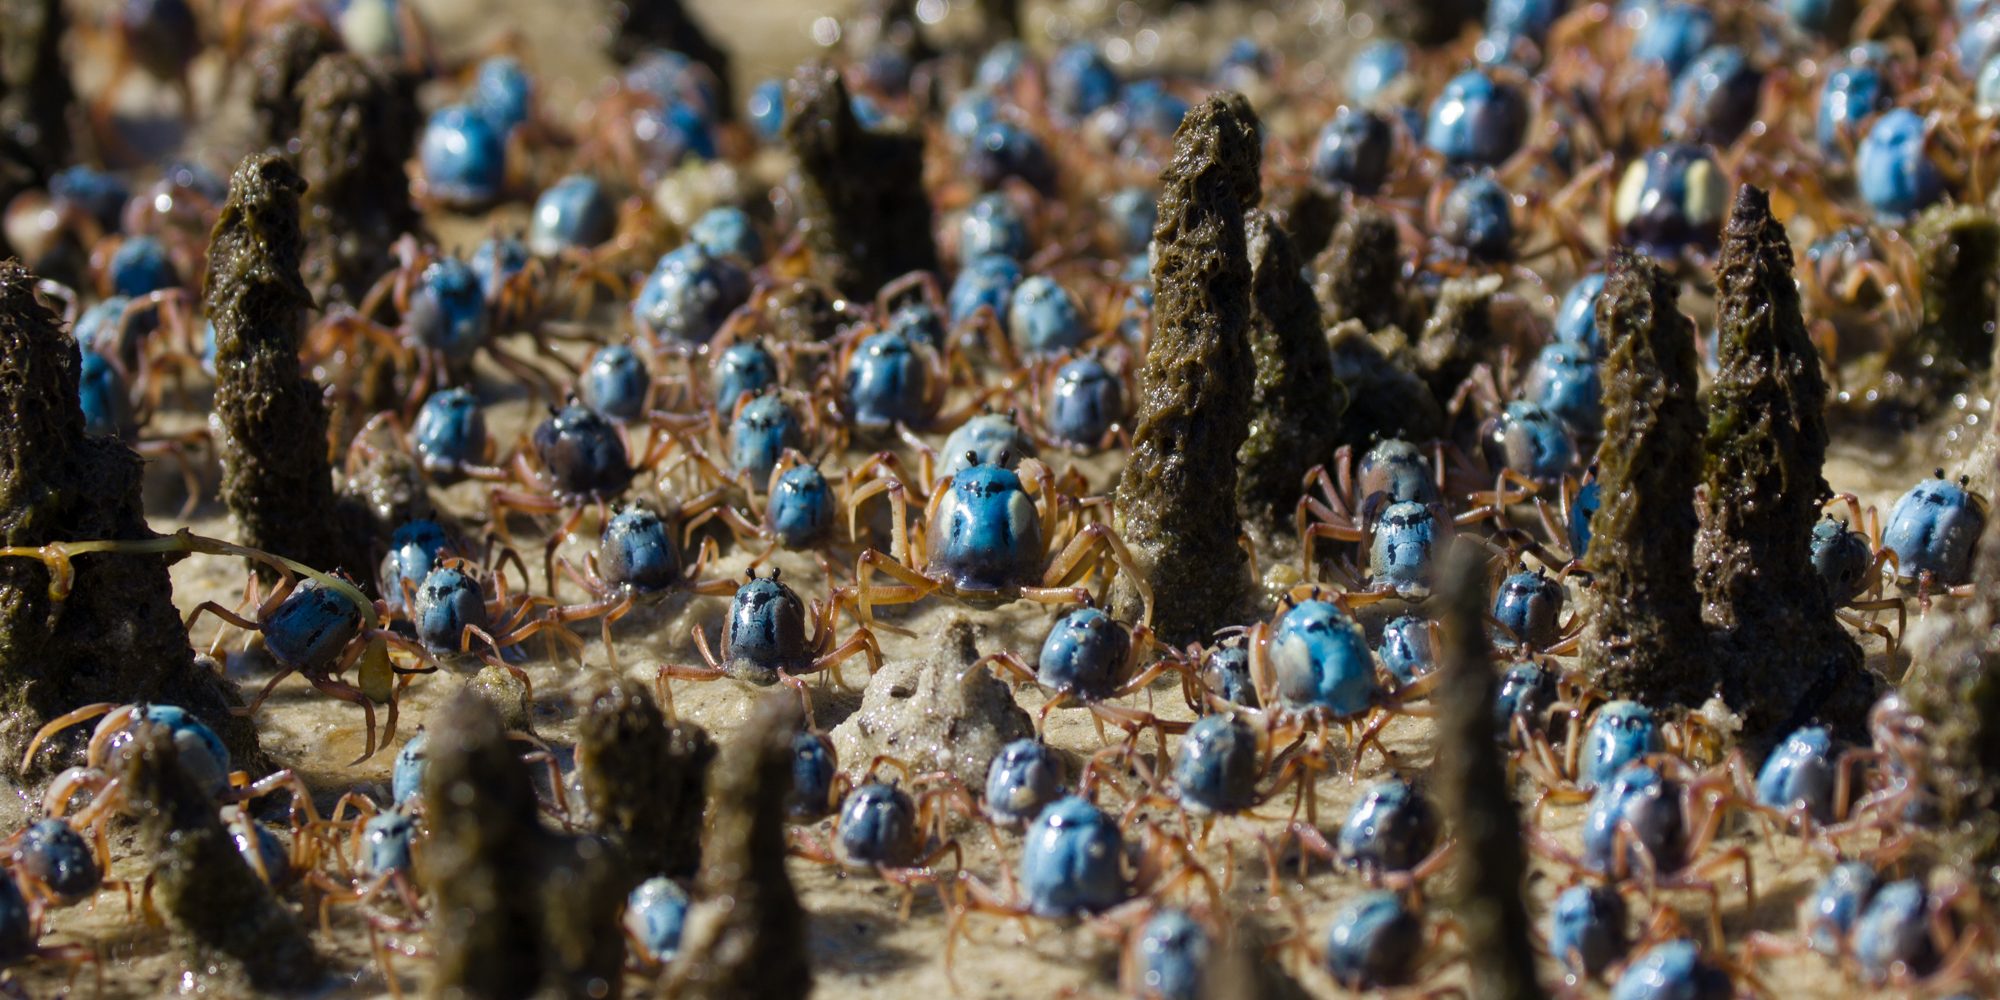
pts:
[861, 943]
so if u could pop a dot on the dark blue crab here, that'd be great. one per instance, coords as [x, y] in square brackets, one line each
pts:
[616, 383]
[1673, 35]
[1171, 957]
[1527, 610]
[1217, 765]
[1671, 199]
[989, 541]
[1827, 917]
[1392, 828]
[985, 282]
[1353, 150]
[575, 213]
[1893, 939]
[1084, 404]
[813, 771]
[689, 295]
[1850, 95]
[1576, 317]
[726, 231]
[1321, 661]
[1374, 942]
[1799, 776]
[1376, 69]
[1892, 169]
[1587, 930]
[462, 159]
[449, 435]
[1932, 529]
[877, 826]
[1044, 318]
[655, 912]
[742, 371]
[992, 225]
[1072, 861]
[1675, 970]
[764, 427]
[1023, 778]
[770, 636]
[56, 861]
[1476, 120]
[385, 845]
[1565, 381]
[503, 93]
[1225, 670]
[1530, 440]
[414, 550]
[1406, 648]
[1621, 732]
[1715, 98]
[1477, 219]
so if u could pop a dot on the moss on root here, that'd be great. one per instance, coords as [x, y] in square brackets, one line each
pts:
[276, 479]
[117, 637]
[218, 906]
[1294, 402]
[1430, 22]
[1175, 504]
[36, 97]
[1384, 398]
[1958, 258]
[863, 212]
[746, 935]
[1360, 275]
[1954, 685]
[1475, 793]
[278, 66]
[1958, 248]
[1644, 636]
[1789, 660]
[521, 910]
[644, 779]
[358, 129]
[642, 26]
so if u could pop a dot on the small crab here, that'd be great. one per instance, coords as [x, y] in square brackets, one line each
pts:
[201, 753]
[766, 640]
[1090, 658]
[639, 558]
[814, 771]
[1391, 835]
[1076, 862]
[1587, 930]
[1643, 824]
[56, 865]
[1851, 568]
[1024, 777]
[1082, 406]
[1931, 531]
[655, 912]
[879, 827]
[581, 461]
[1527, 614]
[1673, 969]
[989, 540]
[1374, 941]
[800, 509]
[318, 628]
[1312, 663]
